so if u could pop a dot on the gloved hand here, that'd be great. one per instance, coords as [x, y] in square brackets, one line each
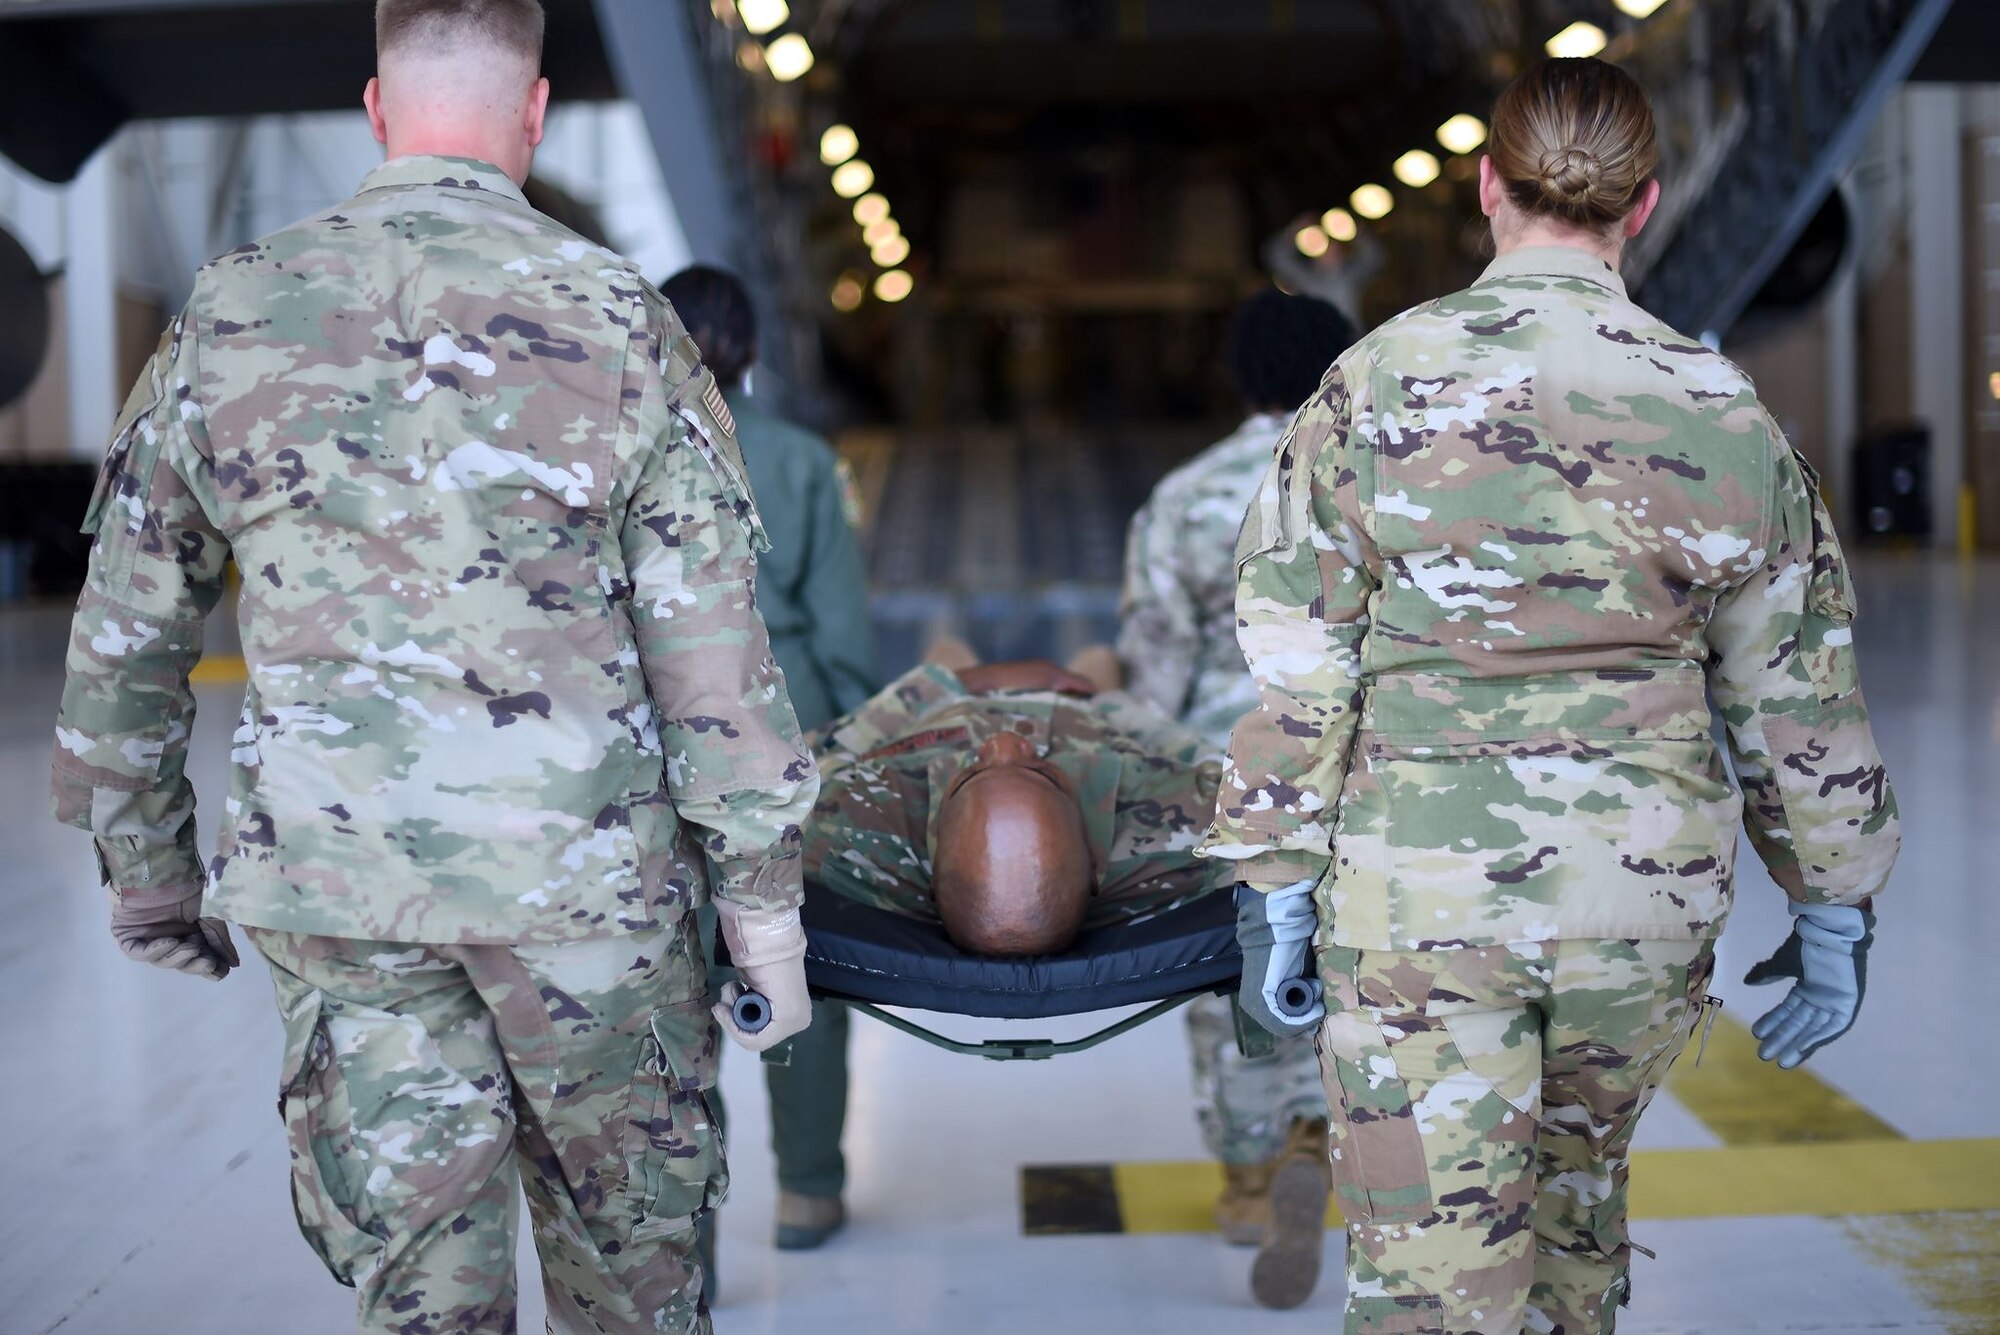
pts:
[165, 927]
[1275, 932]
[768, 949]
[1827, 953]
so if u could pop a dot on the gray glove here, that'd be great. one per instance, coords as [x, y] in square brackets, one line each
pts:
[1279, 989]
[165, 927]
[1826, 956]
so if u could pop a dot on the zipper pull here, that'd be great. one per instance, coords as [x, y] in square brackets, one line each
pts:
[1713, 1006]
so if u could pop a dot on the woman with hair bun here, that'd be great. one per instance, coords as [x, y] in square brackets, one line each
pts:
[1501, 562]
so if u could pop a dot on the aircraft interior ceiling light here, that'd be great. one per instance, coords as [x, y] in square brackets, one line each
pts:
[892, 252]
[894, 285]
[1462, 133]
[838, 144]
[1578, 39]
[1417, 168]
[789, 57]
[870, 209]
[852, 177]
[1372, 201]
[762, 16]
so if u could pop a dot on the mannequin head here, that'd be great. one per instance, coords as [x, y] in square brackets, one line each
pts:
[1012, 869]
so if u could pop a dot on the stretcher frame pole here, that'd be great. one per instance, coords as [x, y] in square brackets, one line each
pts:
[1026, 1049]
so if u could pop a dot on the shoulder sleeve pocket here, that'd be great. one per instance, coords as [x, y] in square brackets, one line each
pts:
[1826, 635]
[145, 398]
[1270, 522]
[697, 400]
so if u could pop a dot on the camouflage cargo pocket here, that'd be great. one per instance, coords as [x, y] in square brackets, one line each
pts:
[1380, 1173]
[673, 1147]
[327, 1187]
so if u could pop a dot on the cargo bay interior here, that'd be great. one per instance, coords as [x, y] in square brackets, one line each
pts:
[993, 245]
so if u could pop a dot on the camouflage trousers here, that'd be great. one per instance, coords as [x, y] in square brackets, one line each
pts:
[422, 1083]
[1484, 1102]
[1245, 1105]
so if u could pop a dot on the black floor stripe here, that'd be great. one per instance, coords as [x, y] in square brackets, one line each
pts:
[1069, 1198]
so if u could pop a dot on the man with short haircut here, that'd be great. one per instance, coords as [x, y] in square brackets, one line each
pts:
[1017, 804]
[511, 711]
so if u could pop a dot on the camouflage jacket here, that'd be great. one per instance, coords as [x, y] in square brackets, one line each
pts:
[1177, 615]
[1146, 786]
[507, 678]
[1497, 559]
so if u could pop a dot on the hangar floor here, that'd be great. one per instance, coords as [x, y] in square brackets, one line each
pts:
[148, 1171]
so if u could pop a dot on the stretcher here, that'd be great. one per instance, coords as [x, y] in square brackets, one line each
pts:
[872, 959]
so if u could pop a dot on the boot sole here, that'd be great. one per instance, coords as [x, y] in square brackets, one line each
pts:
[1286, 1270]
[799, 1238]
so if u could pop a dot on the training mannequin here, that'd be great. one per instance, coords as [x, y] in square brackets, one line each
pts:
[1014, 803]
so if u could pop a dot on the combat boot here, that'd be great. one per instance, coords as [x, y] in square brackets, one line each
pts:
[1287, 1268]
[806, 1222]
[1243, 1211]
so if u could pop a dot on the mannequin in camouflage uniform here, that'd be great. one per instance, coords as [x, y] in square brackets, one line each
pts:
[1498, 563]
[511, 712]
[1177, 644]
[918, 765]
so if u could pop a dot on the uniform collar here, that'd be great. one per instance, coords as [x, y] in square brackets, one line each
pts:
[1556, 262]
[448, 173]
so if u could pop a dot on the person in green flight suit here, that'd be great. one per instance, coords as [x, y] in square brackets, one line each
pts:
[812, 590]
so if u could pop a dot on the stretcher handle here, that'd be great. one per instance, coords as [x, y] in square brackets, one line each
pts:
[1297, 997]
[751, 1012]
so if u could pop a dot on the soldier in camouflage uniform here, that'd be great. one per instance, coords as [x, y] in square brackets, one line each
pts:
[511, 711]
[1498, 559]
[1263, 1115]
[1143, 785]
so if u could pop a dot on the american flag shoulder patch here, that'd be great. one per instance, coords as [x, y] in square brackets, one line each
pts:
[712, 399]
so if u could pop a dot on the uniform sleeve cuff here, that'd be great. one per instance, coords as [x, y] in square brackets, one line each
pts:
[761, 882]
[1278, 868]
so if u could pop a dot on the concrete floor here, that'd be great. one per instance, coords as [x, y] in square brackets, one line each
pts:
[147, 1167]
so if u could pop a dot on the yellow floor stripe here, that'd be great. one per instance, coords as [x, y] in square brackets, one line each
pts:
[1745, 1101]
[220, 670]
[1893, 1177]
[1952, 1260]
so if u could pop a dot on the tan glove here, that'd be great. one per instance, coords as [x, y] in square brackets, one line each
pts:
[165, 927]
[768, 949]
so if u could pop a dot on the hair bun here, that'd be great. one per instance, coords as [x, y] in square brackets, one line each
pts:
[1569, 175]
